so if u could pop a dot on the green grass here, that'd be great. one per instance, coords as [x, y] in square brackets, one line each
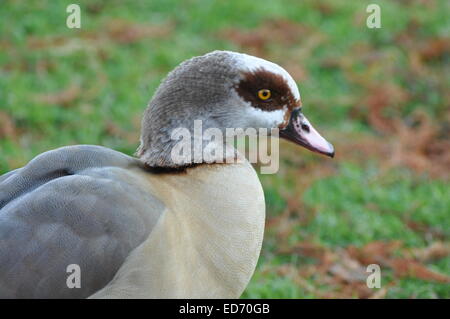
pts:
[359, 203]
[373, 207]
[358, 206]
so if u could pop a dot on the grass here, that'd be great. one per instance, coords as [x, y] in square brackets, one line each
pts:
[107, 78]
[370, 207]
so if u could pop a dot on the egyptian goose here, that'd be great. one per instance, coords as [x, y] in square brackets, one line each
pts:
[151, 226]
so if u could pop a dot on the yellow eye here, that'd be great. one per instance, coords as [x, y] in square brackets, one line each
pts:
[264, 94]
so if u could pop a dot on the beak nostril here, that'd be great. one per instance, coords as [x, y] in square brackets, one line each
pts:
[305, 128]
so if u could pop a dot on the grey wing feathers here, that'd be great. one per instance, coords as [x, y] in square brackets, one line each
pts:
[74, 205]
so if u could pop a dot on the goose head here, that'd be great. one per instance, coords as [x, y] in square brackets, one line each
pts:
[223, 90]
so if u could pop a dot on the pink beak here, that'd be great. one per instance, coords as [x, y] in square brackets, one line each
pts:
[301, 132]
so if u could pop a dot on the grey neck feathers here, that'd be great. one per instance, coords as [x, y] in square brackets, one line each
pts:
[198, 89]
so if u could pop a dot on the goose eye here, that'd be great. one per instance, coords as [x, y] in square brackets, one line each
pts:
[264, 94]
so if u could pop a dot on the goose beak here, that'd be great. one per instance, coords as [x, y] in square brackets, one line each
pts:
[301, 132]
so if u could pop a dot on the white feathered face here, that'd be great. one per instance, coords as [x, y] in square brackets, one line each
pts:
[269, 92]
[272, 100]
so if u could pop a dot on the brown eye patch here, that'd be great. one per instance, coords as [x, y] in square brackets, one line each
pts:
[253, 82]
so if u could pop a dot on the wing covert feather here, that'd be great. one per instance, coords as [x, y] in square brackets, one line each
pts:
[79, 205]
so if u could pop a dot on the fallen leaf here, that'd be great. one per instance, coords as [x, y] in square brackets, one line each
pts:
[125, 32]
[114, 31]
[64, 98]
[433, 49]
[348, 269]
[308, 249]
[379, 293]
[436, 250]
[379, 100]
[376, 252]
[422, 147]
[8, 128]
[405, 267]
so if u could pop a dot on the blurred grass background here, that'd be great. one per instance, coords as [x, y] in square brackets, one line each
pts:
[381, 96]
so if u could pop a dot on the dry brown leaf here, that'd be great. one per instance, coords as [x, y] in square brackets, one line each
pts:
[8, 128]
[292, 273]
[427, 230]
[343, 271]
[64, 98]
[282, 32]
[308, 249]
[354, 290]
[116, 30]
[406, 267]
[435, 251]
[125, 32]
[378, 100]
[348, 269]
[115, 130]
[274, 30]
[324, 8]
[421, 147]
[37, 43]
[379, 293]
[376, 252]
[432, 49]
